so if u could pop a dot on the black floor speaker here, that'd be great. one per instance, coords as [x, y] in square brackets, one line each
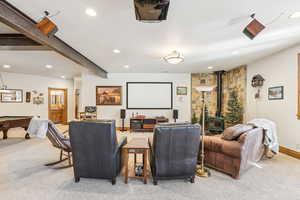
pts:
[123, 116]
[175, 115]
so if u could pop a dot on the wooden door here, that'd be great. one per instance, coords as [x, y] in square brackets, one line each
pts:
[58, 105]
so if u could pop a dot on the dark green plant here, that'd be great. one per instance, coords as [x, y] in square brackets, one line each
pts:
[206, 116]
[194, 119]
[234, 114]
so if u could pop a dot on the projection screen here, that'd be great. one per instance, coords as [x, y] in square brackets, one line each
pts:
[149, 95]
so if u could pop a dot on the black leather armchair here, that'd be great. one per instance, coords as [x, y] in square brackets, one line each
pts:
[96, 151]
[174, 151]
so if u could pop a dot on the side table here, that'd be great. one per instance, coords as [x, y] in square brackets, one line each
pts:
[136, 146]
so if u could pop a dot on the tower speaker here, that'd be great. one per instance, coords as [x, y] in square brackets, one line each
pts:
[175, 115]
[123, 114]
[254, 28]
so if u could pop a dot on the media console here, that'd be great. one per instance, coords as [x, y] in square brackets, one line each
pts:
[145, 124]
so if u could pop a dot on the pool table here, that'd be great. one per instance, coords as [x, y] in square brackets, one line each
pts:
[8, 122]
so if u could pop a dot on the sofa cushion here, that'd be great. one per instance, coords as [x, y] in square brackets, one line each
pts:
[234, 132]
[218, 145]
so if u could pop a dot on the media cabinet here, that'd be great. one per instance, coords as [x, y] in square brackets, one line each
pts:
[145, 124]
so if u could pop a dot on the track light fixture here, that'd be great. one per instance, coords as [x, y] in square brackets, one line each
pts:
[46, 26]
[254, 28]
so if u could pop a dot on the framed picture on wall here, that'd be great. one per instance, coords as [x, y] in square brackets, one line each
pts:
[276, 93]
[11, 96]
[108, 95]
[181, 90]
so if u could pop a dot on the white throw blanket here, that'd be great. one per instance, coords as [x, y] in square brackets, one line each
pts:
[271, 140]
[38, 127]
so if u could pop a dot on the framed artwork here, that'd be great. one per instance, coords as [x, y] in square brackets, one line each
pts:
[11, 96]
[276, 93]
[181, 90]
[108, 95]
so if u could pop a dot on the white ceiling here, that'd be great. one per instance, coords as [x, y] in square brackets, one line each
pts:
[205, 32]
[34, 62]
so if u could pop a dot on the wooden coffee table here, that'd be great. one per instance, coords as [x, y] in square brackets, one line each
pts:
[136, 146]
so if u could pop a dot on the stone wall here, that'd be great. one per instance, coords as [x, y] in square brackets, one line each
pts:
[234, 79]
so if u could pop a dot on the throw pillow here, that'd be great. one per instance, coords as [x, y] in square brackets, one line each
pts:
[234, 132]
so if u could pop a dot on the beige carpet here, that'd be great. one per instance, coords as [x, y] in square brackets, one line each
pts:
[23, 176]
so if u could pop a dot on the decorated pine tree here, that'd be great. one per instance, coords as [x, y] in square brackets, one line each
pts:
[234, 114]
[194, 119]
[205, 117]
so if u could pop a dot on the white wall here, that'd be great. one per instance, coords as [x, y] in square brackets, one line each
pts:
[279, 70]
[88, 94]
[32, 82]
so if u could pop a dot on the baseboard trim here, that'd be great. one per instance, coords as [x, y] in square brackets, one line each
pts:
[289, 152]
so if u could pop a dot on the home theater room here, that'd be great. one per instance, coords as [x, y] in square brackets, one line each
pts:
[149, 99]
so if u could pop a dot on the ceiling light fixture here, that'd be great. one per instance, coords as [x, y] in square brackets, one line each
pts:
[63, 77]
[253, 28]
[116, 51]
[295, 15]
[174, 58]
[49, 66]
[90, 12]
[46, 26]
[6, 66]
[126, 66]
[210, 67]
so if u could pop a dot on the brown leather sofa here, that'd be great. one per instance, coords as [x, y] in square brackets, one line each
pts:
[236, 156]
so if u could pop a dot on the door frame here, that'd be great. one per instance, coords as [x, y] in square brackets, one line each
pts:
[65, 112]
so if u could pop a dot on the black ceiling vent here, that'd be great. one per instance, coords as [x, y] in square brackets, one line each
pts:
[151, 10]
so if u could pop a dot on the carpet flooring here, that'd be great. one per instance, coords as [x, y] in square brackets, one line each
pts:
[23, 176]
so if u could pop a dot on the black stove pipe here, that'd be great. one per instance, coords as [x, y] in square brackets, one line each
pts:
[219, 75]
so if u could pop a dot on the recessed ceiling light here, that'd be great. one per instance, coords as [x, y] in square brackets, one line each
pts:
[49, 66]
[235, 52]
[210, 67]
[63, 77]
[6, 66]
[126, 66]
[116, 51]
[295, 15]
[90, 12]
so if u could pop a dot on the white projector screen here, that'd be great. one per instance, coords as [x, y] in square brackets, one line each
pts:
[148, 95]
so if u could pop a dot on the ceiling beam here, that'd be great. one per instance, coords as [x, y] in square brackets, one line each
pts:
[16, 19]
[19, 42]
[24, 48]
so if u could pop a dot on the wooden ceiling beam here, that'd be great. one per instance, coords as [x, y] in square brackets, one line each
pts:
[16, 19]
[17, 40]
